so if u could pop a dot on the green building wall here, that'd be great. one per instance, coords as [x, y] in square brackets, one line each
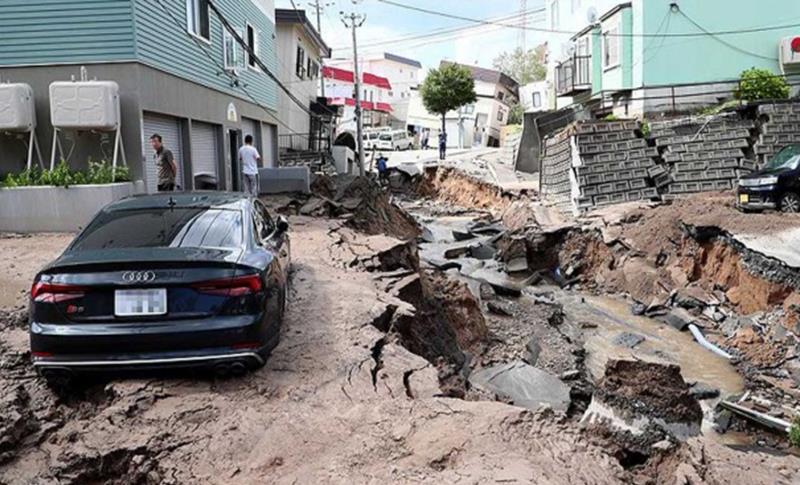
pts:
[706, 59]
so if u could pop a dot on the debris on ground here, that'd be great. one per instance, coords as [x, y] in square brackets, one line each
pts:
[451, 329]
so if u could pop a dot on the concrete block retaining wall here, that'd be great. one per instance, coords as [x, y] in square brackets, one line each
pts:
[57, 209]
[702, 154]
[590, 164]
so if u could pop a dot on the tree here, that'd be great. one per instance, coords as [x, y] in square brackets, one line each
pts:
[515, 114]
[446, 89]
[523, 67]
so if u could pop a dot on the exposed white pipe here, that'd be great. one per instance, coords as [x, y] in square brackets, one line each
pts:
[698, 335]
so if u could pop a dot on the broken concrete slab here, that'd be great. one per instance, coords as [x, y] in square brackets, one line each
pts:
[678, 318]
[483, 251]
[524, 385]
[517, 265]
[702, 391]
[462, 236]
[628, 340]
[499, 309]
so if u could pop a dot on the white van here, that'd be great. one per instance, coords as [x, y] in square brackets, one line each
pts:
[395, 141]
[370, 139]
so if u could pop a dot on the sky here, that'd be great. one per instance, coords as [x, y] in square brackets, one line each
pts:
[477, 46]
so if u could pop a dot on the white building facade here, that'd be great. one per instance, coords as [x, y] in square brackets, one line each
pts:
[478, 124]
[300, 52]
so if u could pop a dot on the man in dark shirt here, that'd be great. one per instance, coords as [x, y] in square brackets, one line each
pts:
[165, 164]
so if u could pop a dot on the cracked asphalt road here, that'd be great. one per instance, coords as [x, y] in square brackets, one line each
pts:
[325, 409]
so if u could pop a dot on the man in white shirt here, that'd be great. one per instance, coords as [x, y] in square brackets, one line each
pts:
[249, 157]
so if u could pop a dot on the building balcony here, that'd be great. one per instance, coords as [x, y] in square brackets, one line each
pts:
[574, 76]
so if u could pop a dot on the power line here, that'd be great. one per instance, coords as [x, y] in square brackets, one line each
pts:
[447, 38]
[227, 25]
[723, 41]
[233, 80]
[568, 32]
[441, 31]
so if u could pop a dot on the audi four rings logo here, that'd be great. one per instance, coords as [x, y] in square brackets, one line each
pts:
[138, 276]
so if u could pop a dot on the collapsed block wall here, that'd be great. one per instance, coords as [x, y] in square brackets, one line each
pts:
[613, 164]
[779, 125]
[555, 184]
[701, 154]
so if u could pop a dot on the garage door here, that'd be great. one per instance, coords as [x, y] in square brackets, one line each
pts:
[205, 151]
[268, 140]
[170, 131]
[251, 127]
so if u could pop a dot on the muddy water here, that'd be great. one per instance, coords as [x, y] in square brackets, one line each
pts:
[662, 343]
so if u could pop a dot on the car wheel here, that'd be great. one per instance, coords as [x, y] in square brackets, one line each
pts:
[790, 203]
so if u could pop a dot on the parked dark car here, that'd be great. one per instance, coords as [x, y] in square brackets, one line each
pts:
[169, 280]
[776, 186]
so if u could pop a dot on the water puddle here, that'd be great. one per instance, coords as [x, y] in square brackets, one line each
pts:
[661, 343]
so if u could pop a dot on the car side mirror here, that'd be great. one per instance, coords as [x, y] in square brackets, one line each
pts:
[282, 224]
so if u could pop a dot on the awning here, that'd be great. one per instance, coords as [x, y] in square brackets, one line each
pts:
[338, 74]
[378, 81]
[352, 102]
[385, 107]
[346, 76]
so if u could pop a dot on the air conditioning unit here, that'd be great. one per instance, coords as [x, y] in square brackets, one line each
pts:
[790, 51]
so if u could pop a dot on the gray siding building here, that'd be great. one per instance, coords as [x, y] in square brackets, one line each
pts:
[180, 74]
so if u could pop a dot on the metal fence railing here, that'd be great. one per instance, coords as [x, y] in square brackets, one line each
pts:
[573, 75]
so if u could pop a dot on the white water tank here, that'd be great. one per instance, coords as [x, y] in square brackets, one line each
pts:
[86, 105]
[17, 112]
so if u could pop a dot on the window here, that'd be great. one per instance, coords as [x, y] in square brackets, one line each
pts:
[300, 64]
[262, 222]
[554, 14]
[179, 227]
[500, 115]
[537, 99]
[252, 42]
[576, 4]
[313, 69]
[501, 95]
[197, 18]
[233, 52]
[611, 48]
[583, 47]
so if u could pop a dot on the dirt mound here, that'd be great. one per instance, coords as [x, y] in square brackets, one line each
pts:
[448, 320]
[452, 186]
[648, 389]
[660, 228]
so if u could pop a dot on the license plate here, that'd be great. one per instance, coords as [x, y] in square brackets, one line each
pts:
[137, 303]
[744, 198]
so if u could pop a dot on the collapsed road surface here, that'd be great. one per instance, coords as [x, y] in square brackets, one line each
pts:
[342, 399]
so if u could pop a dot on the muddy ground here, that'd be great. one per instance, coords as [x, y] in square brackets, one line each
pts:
[368, 385]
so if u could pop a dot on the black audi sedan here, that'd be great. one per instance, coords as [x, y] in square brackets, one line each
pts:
[168, 280]
[776, 186]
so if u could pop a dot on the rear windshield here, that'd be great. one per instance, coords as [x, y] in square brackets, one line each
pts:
[163, 228]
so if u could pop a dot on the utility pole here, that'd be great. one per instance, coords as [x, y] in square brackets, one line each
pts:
[523, 11]
[354, 21]
[318, 7]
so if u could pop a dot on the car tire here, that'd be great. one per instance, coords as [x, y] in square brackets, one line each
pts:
[790, 203]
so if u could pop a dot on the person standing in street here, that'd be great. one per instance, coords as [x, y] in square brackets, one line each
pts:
[165, 164]
[425, 139]
[249, 157]
[442, 145]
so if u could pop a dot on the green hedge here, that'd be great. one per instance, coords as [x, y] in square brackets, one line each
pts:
[63, 176]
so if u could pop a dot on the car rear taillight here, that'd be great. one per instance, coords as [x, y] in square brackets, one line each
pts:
[239, 286]
[43, 292]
